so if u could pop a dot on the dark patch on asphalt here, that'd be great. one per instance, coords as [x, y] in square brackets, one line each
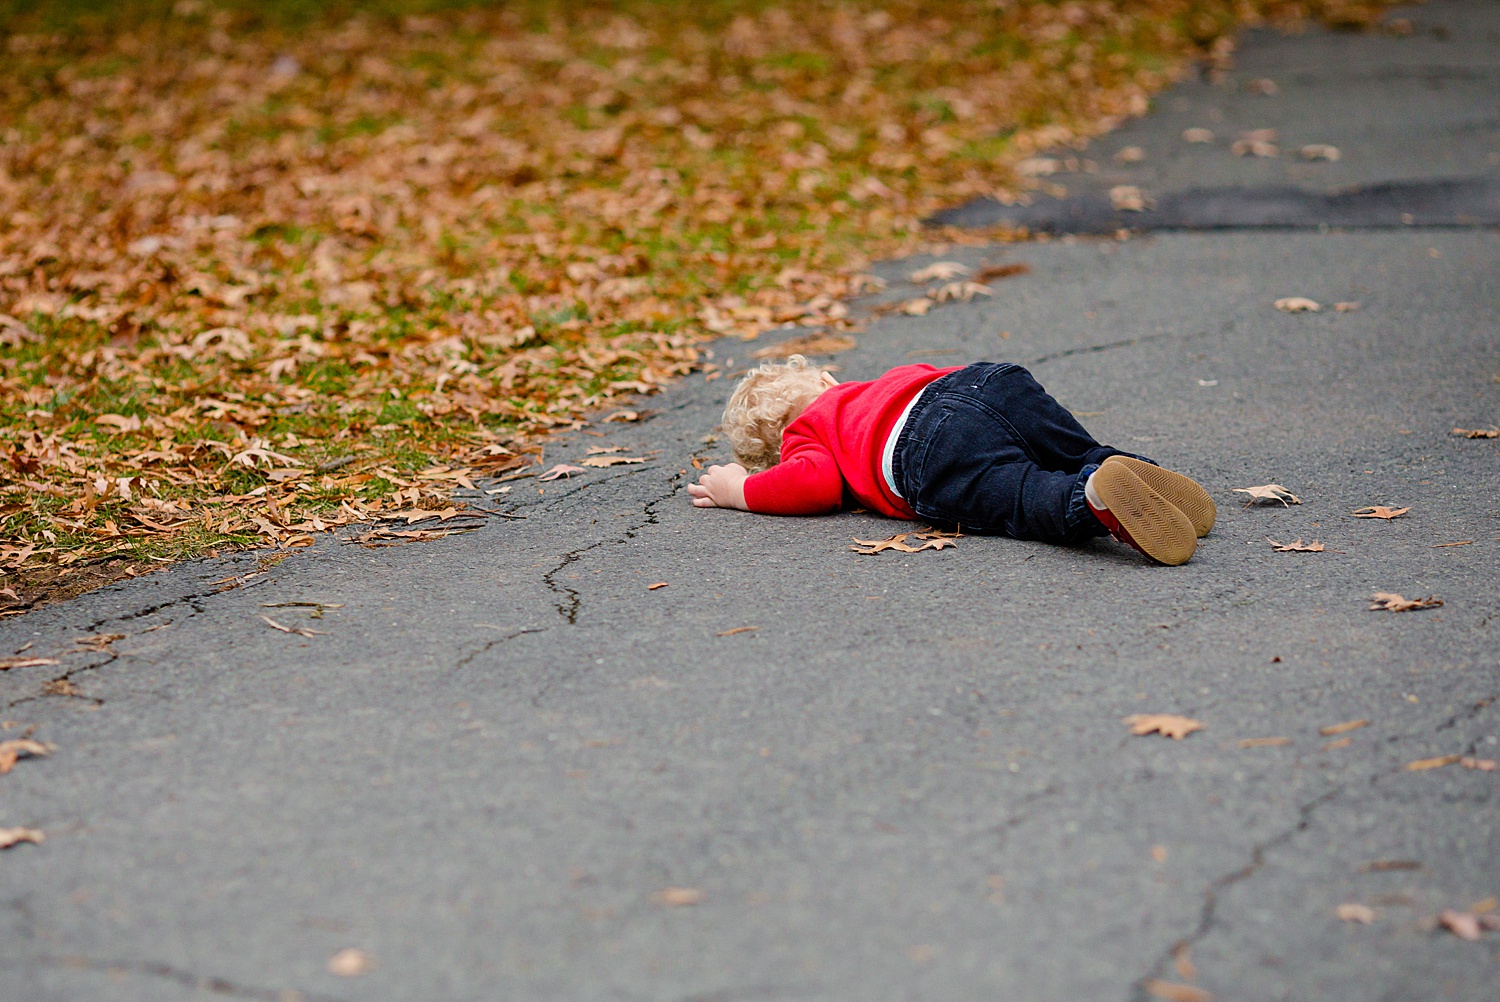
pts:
[1458, 202]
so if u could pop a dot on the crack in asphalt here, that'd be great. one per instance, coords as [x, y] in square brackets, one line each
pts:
[1128, 342]
[1209, 912]
[189, 980]
[485, 649]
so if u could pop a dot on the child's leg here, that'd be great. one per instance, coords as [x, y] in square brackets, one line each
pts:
[962, 462]
[1052, 435]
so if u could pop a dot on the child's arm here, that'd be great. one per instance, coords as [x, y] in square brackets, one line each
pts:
[721, 487]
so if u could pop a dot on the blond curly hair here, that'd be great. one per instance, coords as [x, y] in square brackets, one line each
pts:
[766, 401]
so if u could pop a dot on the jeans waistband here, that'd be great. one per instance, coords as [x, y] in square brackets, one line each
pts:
[928, 394]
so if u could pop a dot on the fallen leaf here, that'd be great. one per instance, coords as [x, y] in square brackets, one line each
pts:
[6, 664]
[1423, 764]
[1168, 725]
[939, 271]
[15, 836]
[299, 631]
[351, 962]
[1380, 511]
[560, 470]
[1389, 601]
[677, 897]
[1387, 865]
[1296, 547]
[1345, 307]
[1464, 925]
[1254, 148]
[1268, 493]
[1477, 432]
[653, 587]
[1320, 151]
[1129, 198]
[1344, 728]
[1264, 742]
[1038, 166]
[1298, 304]
[119, 422]
[1482, 764]
[1182, 960]
[999, 271]
[604, 461]
[1197, 136]
[1130, 155]
[17, 748]
[1485, 906]
[98, 642]
[1352, 912]
[737, 629]
[961, 291]
[1461, 542]
[623, 416]
[916, 307]
[1172, 992]
[603, 450]
[930, 541]
[809, 344]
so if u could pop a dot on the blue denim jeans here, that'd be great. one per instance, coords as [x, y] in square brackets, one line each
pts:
[988, 449]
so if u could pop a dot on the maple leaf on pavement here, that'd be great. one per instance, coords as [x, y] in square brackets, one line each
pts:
[1477, 432]
[1380, 511]
[560, 470]
[1168, 725]
[1298, 304]
[1266, 493]
[1389, 601]
[1296, 547]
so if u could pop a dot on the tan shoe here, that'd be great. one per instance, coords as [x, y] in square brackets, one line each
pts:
[1138, 516]
[1184, 492]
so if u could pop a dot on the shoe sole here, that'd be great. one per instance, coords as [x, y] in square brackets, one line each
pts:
[1158, 527]
[1183, 492]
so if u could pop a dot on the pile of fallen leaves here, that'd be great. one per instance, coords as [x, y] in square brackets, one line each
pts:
[257, 282]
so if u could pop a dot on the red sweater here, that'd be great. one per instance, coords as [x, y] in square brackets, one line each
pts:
[830, 455]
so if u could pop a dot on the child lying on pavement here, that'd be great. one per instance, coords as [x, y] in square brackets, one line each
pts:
[982, 446]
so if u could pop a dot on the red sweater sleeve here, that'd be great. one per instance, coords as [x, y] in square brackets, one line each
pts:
[806, 482]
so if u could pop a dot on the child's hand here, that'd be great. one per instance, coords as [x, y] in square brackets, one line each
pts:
[721, 487]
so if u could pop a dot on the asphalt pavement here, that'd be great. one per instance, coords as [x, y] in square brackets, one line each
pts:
[508, 768]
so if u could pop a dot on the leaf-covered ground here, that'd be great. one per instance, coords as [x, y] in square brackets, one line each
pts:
[270, 268]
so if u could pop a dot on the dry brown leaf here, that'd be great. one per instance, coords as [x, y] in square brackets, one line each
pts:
[1254, 148]
[15, 836]
[1353, 912]
[18, 748]
[1347, 307]
[653, 587]
[1464, 925]
[737, 629]
[1267, 493]
[1298, 304]
[298, 630]
[6, 664]
[623, 416]
[351, 962]
[930, 541]
[605, 461]
[1197, 135]
[808, 344]
[917, 307]
[98, 642]
[1477, 432]
[1423, 764]
[1389, 601]
[1296, 547]
[1182, 960]
[1321, 151]
[677, 897]
[1482, 764]
[938, 271]
[1264, 742]
[1168, 725]
[1172, 992]
[999, 271]
[961, 292]
[1130, 155]
[1343, 728]
[560, 470]
[1129, 198]
[1380, 511]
